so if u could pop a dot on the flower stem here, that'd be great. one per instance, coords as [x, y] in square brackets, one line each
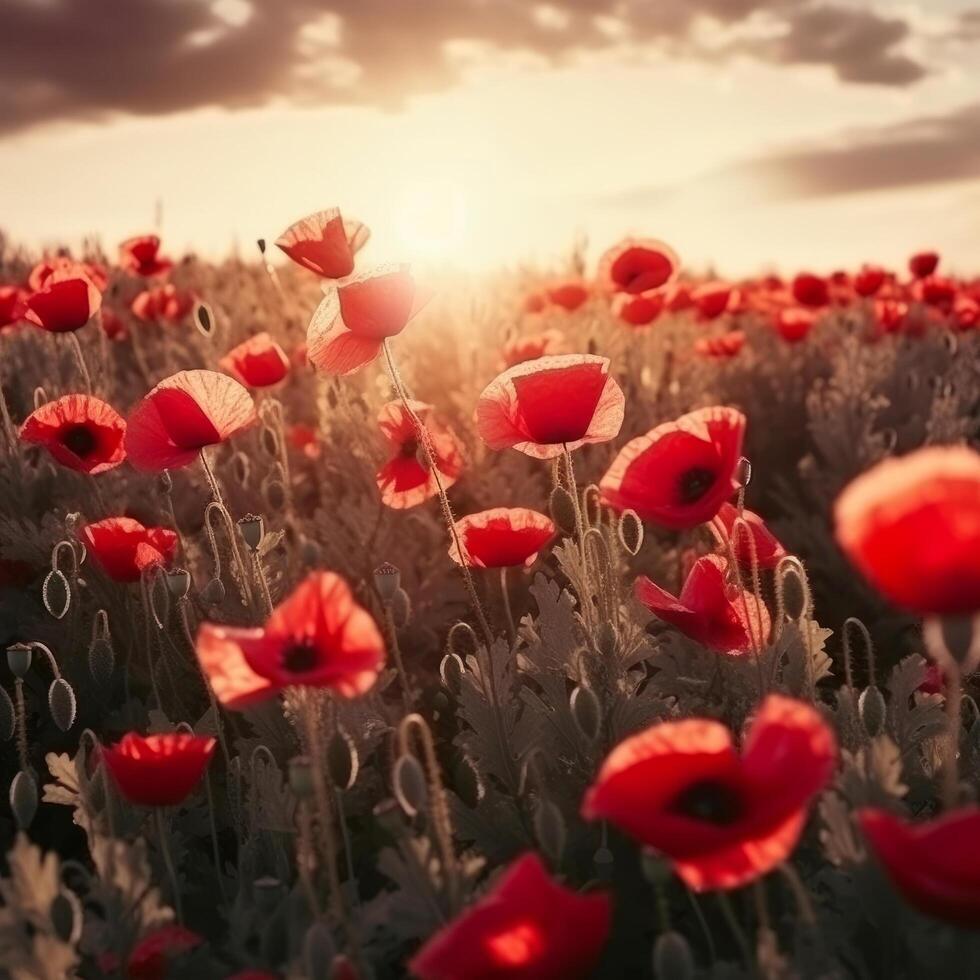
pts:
[168, 862]
[80, 360]
[505, 593]
[396, 652]
[954, 712]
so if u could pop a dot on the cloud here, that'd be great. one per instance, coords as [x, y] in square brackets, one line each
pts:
[67, 59]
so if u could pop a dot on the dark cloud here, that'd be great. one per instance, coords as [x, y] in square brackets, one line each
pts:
[69, 59]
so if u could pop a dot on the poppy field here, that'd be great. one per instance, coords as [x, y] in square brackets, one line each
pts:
[610, 620]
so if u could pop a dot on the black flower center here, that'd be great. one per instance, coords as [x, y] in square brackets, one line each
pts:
[299, 658]
[80, 439]
[710, 801]
[410, 448]
[695, 483]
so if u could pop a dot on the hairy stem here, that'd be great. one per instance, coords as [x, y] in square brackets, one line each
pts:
[168, 862]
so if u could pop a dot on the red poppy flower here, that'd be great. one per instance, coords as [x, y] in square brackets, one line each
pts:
[568, 295]
[637, 265]
[502, 537]
[721, 818]
[183, 414]
[709, 610]
[520, 349]
[935, 864]
[406, 480]
[923, 264]
[66, 301]
[869, 280]
[725, 345]
[304, 438]
[44, 270]
[890, 316]
[540, 406]
[355, 318]
[680, 473]
[639, 309]
[81, 432]
[966, 313]
[159, 770]
[527, 927]
[140, 256]
[325, 243]
[810, 290]
[795, 323]
[122, 547]
[114, 326]
[13, 305]
[768, 551]
[713, 299]
[163, 303]
[150, 958]
[318, 637]
[258, 362]
[912, 527]
[679, 297]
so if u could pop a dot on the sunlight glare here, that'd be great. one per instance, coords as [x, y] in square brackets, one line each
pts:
[431, 220]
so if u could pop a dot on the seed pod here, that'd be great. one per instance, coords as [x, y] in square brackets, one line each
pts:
[467, 782]
[61, 703]
[586, 712]
[179, 582]
[871, 708]
[66, 916]
[252, 529]
[603, 861]
[451, 671]
[401, 608]
[629, 529]
[301, 777]
[562, 509]
[204, 319]
[23, 798]
[408, 782]
[342, 760]
[213, 593]
[56, 593]
[550, 830]
[101, 661]
[19, 657]
[672, 957]
[605, 639]
[387, 580]
[319, 950]
[8, 718]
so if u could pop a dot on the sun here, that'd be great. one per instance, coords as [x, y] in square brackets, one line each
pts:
[431, 220]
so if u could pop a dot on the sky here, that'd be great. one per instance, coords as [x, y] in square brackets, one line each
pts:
[748, 134]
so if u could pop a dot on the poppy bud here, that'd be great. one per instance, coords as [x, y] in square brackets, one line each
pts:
[401, 608]
[65, 914]
[319, 950]
[166, 481]
[241, 466]
[467, 782]
[605, 639]
[101, 661]
[389, 816]
[213, 593]
[603, 861]
[19, 657]
[7, 716]
[451, 671]
[268, 892]
[204, 319]
[629, 528]
[252, 529]
[550, 830]
[261, 243]
[408, 781]
[586, 712]
[743, 472]
[655, 869]
[462, 640]
[40, 397]
[301, 777]
[342, 760]
[310, 552]
[562, 509]
[61, 703]
[179, 582]
[871, 708]
[672, 959]
[275, 494]
[387, 580]
[56, 593]
[23, 798]
[270, 442]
